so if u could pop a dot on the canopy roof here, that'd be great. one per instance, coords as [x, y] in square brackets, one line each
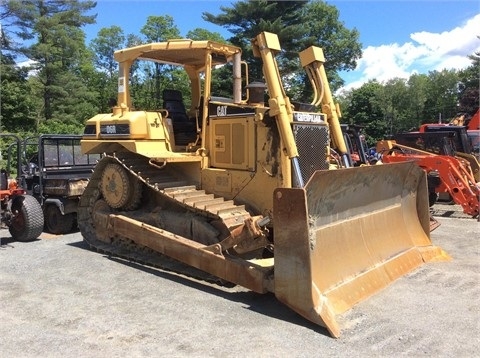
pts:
[179, 52]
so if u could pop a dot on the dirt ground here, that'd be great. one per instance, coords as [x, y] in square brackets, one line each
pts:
[61, 299]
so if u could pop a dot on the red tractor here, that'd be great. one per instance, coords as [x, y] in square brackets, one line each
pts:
[19, 212]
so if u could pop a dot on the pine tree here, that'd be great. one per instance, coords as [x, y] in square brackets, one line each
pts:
[298, 24]
[53, 42]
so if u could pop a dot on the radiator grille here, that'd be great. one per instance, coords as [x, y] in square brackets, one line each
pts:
[312, 142]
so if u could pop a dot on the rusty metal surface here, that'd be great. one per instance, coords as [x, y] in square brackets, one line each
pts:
[65, 187]
[365, 227]
[241, 272]
[294, 284]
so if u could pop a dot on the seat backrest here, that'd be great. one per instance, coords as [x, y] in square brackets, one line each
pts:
[173, 103]
[3, 180]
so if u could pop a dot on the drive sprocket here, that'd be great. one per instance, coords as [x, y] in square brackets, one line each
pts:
[119, 188]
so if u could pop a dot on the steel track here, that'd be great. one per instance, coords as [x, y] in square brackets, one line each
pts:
[161, 182]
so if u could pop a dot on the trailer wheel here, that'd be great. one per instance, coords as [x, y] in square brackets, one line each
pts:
[57, 223]
[27, 223]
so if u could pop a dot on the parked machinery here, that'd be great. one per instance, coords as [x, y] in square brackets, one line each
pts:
[56, 175]
[20, 212]
[243, 191]
[452, 139]
[446, 174]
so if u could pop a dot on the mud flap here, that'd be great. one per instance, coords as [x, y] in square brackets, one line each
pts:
[346, 235]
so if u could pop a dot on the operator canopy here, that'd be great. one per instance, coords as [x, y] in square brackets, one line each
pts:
[180, 52]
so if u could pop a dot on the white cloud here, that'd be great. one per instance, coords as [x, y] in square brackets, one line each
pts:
[26, 63]
[458, 41]
[427, 52]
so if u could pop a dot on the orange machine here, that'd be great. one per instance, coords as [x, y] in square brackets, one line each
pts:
[445, 174]
[460, 138]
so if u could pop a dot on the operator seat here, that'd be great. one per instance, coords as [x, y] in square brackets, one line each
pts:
[3, 180]
[184, 129]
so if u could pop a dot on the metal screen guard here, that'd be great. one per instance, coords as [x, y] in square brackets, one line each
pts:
[348, 234]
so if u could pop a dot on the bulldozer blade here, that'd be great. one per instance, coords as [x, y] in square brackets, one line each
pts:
[347, 234]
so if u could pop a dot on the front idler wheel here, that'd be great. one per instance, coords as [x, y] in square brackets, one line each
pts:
[119, 188]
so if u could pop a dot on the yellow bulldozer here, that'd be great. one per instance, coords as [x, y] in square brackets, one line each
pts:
[250, 192]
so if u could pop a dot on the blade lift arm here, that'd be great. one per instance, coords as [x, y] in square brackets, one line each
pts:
[312, 60]
[265, 45]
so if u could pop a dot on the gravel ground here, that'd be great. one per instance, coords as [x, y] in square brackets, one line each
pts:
[61, 299]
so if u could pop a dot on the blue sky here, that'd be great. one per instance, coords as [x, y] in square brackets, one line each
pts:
[399, 38]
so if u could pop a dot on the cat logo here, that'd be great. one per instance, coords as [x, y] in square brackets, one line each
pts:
[221, 111]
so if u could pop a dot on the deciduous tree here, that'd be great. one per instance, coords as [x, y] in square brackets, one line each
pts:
[16, 107]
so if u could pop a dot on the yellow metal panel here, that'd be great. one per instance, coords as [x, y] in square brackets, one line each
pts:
[232, 143]
[310, 55]
[239, 144]
[272, 42]
[181, 52]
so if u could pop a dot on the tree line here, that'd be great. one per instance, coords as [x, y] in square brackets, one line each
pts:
[399, 105]
[63, 80]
